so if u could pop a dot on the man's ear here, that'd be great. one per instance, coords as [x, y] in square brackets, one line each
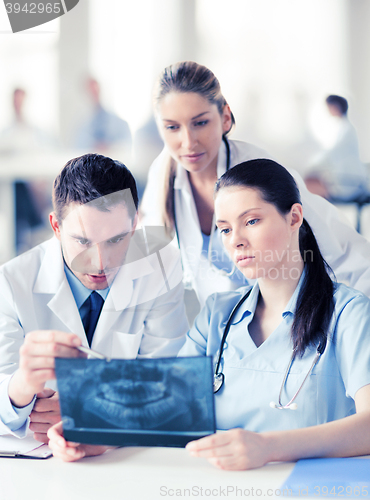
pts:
[55, 225]
[134, 222]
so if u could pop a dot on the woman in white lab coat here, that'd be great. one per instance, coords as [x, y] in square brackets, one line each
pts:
[194, 120]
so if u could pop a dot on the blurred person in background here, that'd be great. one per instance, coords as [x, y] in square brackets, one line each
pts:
[147, 146]
[22, 135]
[32, 199]
[338, 173]
[102, 130]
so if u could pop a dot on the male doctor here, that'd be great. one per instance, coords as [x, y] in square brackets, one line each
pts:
[95, 283]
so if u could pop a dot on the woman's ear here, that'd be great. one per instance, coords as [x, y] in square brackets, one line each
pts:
[227, 121]
[296, 216]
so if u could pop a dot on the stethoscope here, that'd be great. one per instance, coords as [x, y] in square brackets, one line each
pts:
[219, 377]
[222, 272]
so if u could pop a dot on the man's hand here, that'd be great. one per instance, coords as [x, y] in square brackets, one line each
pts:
[37, 361]
[45, 413]
[70, 452]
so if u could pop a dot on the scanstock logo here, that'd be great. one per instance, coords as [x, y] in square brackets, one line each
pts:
[24, 14]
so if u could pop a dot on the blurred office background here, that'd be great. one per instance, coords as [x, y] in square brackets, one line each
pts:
[276, 60]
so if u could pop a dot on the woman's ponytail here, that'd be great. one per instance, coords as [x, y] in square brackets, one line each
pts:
[315, 302]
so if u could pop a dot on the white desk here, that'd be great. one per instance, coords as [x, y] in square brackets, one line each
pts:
[133, 474]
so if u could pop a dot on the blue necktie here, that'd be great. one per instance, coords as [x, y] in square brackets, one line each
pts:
[96, 302]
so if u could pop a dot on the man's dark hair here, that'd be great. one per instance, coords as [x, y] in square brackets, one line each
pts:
[339, 102]
[92, 177]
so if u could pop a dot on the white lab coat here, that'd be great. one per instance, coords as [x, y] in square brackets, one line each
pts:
[143, 315]
[346, 251]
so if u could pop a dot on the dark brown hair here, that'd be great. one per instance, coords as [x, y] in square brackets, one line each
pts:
[92, 177]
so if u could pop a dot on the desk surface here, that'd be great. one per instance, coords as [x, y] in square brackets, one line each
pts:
[134, 474]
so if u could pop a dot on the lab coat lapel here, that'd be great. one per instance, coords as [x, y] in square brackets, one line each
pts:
[52, 280]
[187, 216]
[222, 159]
[187, 219]
[64, 307]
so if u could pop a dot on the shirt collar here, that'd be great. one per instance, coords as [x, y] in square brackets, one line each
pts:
[182, 179]
[79, 291]
[292, 304]
[221, 160]
[249, 307]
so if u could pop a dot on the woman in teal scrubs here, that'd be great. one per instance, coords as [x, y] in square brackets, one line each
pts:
[293, 311]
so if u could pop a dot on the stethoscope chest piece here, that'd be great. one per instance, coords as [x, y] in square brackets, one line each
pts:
[218, 378]
[218, 382]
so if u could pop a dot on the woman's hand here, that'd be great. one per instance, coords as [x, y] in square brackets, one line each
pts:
[67, 451]
[236, 449]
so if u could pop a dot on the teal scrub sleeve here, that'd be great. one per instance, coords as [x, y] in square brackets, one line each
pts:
[352, 343]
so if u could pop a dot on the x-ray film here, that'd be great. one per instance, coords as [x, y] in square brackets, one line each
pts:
[136, 402]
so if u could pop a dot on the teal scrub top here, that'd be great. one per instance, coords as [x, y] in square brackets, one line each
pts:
[254, 375]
